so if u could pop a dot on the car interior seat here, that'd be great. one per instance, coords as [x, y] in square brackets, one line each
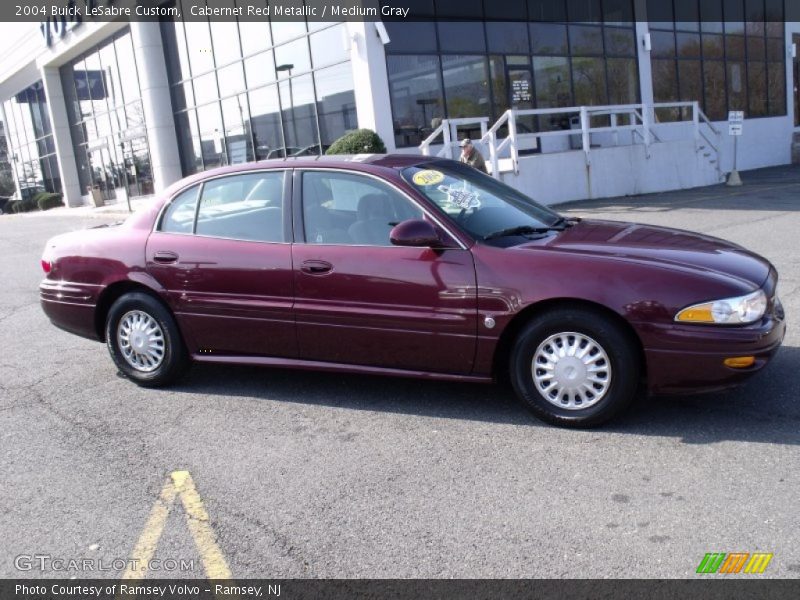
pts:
[320, 226]
[374, 218]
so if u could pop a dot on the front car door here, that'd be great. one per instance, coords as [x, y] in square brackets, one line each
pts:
[361, 300]
[222, 252]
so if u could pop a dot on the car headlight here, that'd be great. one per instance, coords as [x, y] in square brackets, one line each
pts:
[728, 311]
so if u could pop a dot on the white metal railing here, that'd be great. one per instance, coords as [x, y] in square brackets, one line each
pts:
[448, 129]
[637, 119]
[702, 127]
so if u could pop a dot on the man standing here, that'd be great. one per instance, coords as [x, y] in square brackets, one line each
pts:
[471, 156]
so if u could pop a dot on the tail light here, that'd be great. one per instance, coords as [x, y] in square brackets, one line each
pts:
[46, 266]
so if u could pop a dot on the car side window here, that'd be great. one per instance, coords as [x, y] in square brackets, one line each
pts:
[243, 207]
[349, 209]
[179, 216]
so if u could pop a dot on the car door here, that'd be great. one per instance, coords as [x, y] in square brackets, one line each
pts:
[221, 251]
[361, 300]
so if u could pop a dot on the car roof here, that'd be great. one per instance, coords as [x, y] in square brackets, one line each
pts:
[354, 162]
[358, 162]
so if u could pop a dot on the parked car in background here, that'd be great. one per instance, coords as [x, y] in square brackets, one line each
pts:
[28, 191]
[313, 150]
[414, 266]
[281, 152]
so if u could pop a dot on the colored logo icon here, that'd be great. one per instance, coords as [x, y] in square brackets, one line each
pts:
[734, 562]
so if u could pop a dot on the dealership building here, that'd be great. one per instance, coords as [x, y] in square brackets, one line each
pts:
[567, 100]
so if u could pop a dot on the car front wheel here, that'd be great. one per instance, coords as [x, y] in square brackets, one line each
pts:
[575, 367]
[144, 340]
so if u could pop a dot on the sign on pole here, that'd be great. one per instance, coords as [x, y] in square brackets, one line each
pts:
[735, 122]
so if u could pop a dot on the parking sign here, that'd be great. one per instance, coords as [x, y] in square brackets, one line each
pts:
[735, 122]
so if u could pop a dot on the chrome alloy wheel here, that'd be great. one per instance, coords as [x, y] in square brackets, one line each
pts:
[571, 370]
[141, 341]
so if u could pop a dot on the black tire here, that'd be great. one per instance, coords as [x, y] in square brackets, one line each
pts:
[613, 340]
[174, 361]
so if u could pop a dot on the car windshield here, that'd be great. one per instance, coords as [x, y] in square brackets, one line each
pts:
[481, 205]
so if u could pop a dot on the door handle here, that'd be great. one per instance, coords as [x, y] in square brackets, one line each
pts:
[316, 267]
[165, 256]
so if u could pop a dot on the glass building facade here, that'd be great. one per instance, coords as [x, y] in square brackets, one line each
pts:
[29, 135]
[479, 58]
[728, 54]
[104, 106]
[6, 176]
[496, 55]
[244, 91]
[240, 90]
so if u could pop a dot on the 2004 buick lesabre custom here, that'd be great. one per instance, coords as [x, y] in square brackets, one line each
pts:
[407, 265]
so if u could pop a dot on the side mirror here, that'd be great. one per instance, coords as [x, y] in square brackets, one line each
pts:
[415, 233]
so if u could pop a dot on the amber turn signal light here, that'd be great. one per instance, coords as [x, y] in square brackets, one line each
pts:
[740, 362]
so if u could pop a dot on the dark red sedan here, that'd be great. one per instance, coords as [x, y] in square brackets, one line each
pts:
[405, 265]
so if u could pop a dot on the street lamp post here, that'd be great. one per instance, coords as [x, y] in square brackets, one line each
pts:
[289, 67]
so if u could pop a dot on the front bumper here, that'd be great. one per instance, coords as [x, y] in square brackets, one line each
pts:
[689, 359]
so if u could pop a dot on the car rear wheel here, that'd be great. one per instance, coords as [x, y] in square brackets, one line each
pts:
[574, 367]
[144, 341]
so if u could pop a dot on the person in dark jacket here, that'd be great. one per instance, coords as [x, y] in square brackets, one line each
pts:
[471, 156]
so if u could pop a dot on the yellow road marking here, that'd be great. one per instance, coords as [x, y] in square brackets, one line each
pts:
[179, 484]
[148, 540]
[197, 517]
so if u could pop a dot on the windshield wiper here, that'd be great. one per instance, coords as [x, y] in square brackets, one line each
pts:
[520, 230]
[563, 222]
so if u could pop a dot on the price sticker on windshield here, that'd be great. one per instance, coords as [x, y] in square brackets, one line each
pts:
[428, 177]
[460, 198]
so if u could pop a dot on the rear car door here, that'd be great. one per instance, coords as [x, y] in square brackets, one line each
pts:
[222, 252]
[361, 300]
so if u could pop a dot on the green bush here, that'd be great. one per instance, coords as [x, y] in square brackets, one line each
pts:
[21, 206]
[47, 200]
[360, 141]
[38, 201]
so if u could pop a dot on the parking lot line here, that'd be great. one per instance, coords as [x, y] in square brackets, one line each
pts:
[180, 484]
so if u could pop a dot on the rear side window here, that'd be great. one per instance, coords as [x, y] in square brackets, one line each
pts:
[243, 207]
[179, 216]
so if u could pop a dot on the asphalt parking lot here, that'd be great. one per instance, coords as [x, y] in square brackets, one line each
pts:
[326, 475]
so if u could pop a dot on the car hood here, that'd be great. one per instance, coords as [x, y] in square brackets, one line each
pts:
[661, 246]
